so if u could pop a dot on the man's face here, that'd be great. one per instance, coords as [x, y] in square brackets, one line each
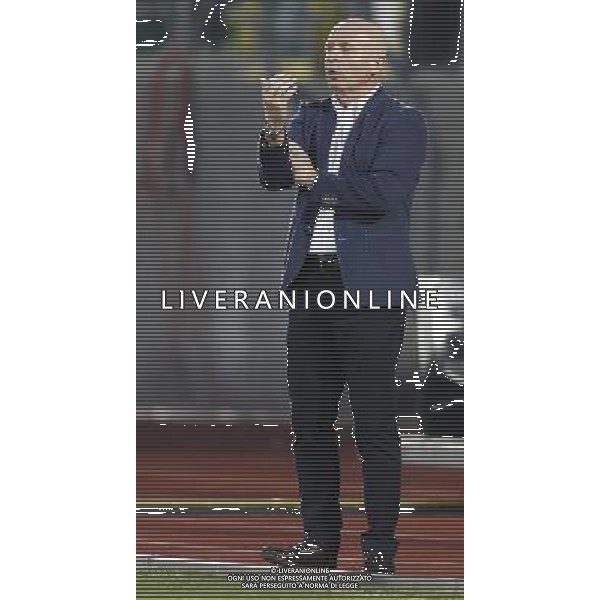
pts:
[351, 57]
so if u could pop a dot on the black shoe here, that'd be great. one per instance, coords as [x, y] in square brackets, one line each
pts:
[378, 561]
[305, 554]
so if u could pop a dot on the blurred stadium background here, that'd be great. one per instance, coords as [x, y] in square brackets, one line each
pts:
[205, 223]
[212, 396]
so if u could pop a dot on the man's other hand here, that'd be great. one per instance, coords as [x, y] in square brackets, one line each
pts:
[276, 93]
[304, 172]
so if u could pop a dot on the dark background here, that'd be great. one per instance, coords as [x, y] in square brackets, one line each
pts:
[205, 223]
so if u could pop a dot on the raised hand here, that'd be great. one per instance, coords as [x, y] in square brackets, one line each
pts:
[276, 93]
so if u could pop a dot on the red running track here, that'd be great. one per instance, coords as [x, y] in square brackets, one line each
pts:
[201, 467]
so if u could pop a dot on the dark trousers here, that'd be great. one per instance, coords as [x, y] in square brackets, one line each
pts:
[327, 348]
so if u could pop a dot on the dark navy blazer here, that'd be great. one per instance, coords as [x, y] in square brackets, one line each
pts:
[372, 192]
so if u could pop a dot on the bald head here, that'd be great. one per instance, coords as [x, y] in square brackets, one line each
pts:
[366, 34]
[354, 56]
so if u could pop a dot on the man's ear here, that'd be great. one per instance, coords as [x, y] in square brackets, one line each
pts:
[378, 66]
[382, 65]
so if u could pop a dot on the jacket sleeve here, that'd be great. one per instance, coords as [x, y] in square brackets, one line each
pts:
[274, 163]
[392, 176]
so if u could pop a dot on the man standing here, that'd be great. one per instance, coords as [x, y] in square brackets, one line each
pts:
[355, 158]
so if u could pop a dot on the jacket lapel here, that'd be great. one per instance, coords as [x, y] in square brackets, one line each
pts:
[325, 129]
[365, 123]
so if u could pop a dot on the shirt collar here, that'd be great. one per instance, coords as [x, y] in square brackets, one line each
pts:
[358, 104]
